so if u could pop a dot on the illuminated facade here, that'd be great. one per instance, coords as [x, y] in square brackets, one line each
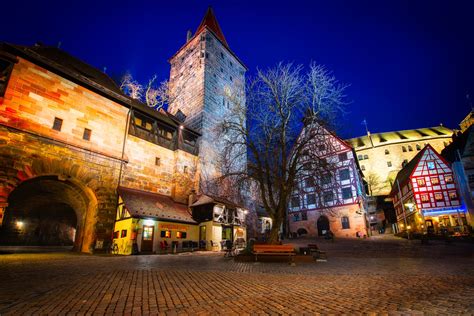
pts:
[429, 200]
[332, 199]
[72, 142]
[382, 155]
[204, 73]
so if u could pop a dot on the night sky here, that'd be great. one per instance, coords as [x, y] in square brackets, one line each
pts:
[410, 63]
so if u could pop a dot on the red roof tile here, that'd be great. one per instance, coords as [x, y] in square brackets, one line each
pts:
[211, 23]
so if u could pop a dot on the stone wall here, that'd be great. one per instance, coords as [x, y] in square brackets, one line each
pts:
[356, 221]
[200, 73]
[175, 174]
[30, 148]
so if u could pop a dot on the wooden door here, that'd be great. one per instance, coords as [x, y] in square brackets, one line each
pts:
[147, 238]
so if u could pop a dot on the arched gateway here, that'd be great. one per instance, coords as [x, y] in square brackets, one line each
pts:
[49, 210]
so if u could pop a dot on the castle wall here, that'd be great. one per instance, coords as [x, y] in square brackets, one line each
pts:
[175, 175]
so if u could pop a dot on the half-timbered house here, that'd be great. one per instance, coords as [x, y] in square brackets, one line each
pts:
[426, 197]
[330, 194]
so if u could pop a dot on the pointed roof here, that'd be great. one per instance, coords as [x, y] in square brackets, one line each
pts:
[404, 175]
[210, 22]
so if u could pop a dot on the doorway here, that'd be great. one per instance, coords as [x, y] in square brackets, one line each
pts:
[147, 238]
[323, 225]
[48, 212]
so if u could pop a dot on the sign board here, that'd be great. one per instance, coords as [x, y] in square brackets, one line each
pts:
[172, 226]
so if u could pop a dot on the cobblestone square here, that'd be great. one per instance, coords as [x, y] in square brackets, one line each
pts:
[395, 277]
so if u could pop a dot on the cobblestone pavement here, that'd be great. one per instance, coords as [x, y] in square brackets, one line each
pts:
[402, 283]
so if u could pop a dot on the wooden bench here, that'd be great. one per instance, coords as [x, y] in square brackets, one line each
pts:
[317, 254]
[274, 250]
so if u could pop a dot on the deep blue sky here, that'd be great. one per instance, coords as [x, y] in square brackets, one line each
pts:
[410, 63]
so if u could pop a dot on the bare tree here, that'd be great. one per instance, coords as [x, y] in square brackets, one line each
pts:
[155, 95]
[373, 182]
[265, 130]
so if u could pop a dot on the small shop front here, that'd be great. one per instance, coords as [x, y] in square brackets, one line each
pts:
[152, 223]
[440, 221]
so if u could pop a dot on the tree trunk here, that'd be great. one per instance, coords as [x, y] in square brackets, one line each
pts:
[275, 232]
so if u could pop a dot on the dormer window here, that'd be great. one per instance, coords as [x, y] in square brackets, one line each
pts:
[5, 71]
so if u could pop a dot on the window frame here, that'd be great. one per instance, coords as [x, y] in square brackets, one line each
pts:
[60, 121]
[87, 134]
[347, 189]
[345, 223]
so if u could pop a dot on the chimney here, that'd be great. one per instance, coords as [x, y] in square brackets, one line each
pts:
[191, 198]
[189, 35]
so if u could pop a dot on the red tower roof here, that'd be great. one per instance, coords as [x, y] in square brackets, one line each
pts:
[211, 23]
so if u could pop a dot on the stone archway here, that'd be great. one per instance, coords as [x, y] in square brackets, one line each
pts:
[51, 210]
[322, 225]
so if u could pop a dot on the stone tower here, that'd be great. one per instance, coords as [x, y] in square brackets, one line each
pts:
[201, 71]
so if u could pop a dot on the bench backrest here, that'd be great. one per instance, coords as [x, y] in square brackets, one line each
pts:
[273, 248]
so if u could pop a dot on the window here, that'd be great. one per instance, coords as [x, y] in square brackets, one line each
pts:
[185, 169]
[296, 217]
[434, 180]
[309, 182]
[326, 178]
[181, 235]
[87, 134]
[360, 157]
[304, 216]
[124, 233]
[116, 234]
[453, 195]
[387, 152]
[439, 196]
[346, 193]
[328, 196]
[295, 201]
[345, 222]
[421, 182]
[343, 157]
[222, 55]
[448, 178]
[147, 232]
[410, 148]
[322, 147]
[157, 161]
[389, 163]
[362, 168]
[425, 198]
[165, 234]
[231, 79]
[58, 123]
[344, 174]
[418, 147]
[311, 199]
[431, 165]
[470, 178]
[366, 156]
[5, 70]
[404, 149]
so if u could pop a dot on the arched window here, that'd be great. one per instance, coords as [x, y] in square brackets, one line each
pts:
[345, 222]
[418, 147]
[404, 149]
[410, 148]
[387, 152]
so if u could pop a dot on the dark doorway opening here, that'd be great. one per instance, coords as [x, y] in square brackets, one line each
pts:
[44, 211]
[323, 225]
